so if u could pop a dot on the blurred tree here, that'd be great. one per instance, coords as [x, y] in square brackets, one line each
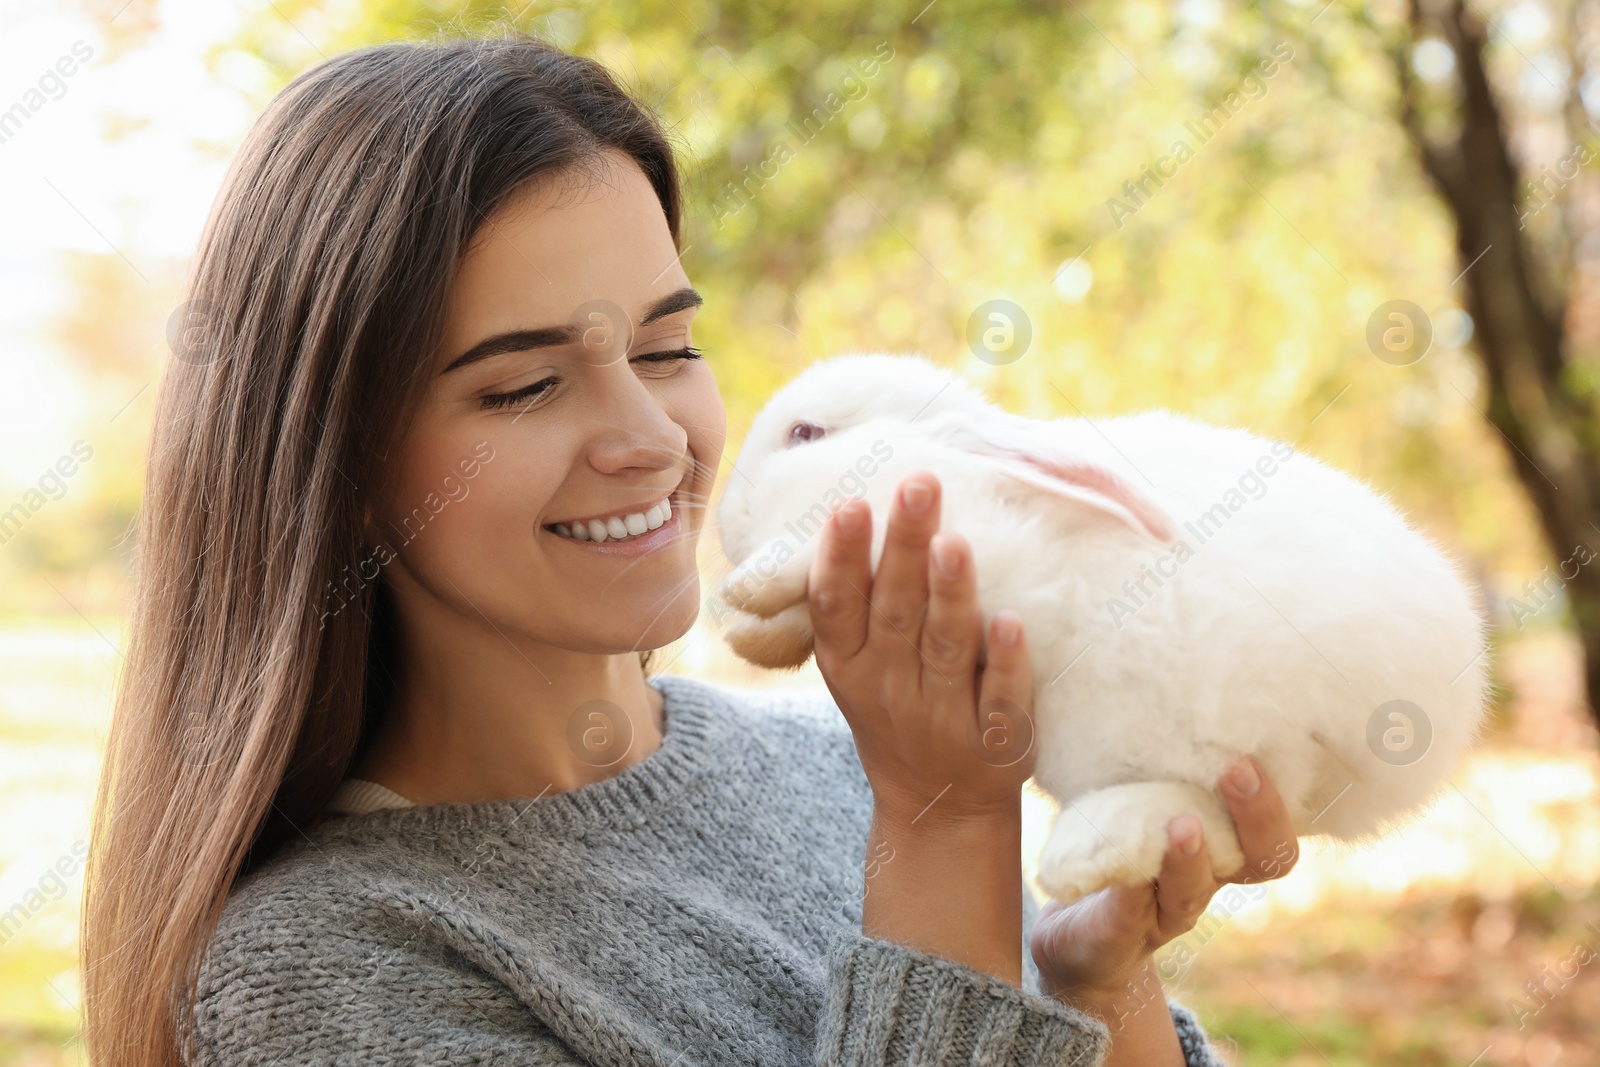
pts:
[1527, 248]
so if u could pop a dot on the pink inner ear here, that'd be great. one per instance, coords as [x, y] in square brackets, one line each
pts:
[1108, 484]
[1006, 436]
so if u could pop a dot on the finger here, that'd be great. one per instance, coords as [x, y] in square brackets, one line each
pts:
[1266, 831]
[1005, 695]
[1185, 885]
[952, 633]
[1125, 916]
[900, 587]
[841, 581]
[1105, 932]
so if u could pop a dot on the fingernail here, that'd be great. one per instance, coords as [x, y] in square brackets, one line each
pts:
[916, 495]
[1186, 831]
[849, 519]
[1243, 779]
[945, 558]
[1007, 629]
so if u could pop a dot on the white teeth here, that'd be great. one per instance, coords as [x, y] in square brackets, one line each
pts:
[617, 527]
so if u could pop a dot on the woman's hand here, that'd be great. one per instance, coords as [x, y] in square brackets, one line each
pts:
[1095, 953]
[946, 744]
[939, 737]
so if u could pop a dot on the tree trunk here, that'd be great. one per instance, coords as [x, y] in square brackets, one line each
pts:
[1518, 323]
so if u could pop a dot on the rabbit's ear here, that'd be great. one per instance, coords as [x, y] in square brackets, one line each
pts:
[1028, 458]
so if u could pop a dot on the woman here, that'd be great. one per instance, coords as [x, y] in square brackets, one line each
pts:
[386, 781]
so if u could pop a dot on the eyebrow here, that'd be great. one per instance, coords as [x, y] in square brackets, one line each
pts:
[552, 336]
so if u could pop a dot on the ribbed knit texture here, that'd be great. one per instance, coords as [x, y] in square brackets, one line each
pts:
[700, 907]
[357, 796]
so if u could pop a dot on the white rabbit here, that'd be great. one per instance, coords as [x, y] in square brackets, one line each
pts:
[1190, 594]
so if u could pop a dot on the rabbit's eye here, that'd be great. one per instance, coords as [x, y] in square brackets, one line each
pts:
[801, 432]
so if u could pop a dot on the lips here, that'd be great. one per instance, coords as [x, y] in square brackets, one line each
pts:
[622, 526]
[628, 523]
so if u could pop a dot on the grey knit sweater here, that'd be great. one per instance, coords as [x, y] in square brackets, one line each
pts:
[702, 906]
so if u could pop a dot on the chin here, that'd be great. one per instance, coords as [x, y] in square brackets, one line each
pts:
[665, 623]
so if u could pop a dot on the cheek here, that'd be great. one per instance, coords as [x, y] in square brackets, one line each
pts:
[462, 499]
[701, 413]
[439, 465]
[513, 493]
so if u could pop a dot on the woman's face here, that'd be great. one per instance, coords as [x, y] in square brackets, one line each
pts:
[551, 437]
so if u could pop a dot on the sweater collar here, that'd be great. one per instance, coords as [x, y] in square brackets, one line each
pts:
[694, 740]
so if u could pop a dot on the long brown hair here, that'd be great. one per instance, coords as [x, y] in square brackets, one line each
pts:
[316, 303]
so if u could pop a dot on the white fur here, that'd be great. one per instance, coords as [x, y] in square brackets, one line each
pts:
[1302, 611]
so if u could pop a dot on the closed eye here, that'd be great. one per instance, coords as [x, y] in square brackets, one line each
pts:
[527, 392]
[496, 401]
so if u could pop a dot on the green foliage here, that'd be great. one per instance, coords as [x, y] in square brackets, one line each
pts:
[971, 152]
[983, 155]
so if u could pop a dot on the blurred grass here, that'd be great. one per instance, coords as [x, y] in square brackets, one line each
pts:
[1435, 987]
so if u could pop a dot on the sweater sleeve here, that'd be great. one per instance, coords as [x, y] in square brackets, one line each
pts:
[889, 1004]
[1197, 1050]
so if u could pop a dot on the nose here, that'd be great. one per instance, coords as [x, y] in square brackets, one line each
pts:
[633, 429]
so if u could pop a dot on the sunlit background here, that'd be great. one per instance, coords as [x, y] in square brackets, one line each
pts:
[990, 157]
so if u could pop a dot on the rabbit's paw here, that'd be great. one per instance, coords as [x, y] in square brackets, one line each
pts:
[780, 642]
[1118, 836]
[772, 580]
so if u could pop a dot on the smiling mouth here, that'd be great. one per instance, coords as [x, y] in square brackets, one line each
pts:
[616, 528]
